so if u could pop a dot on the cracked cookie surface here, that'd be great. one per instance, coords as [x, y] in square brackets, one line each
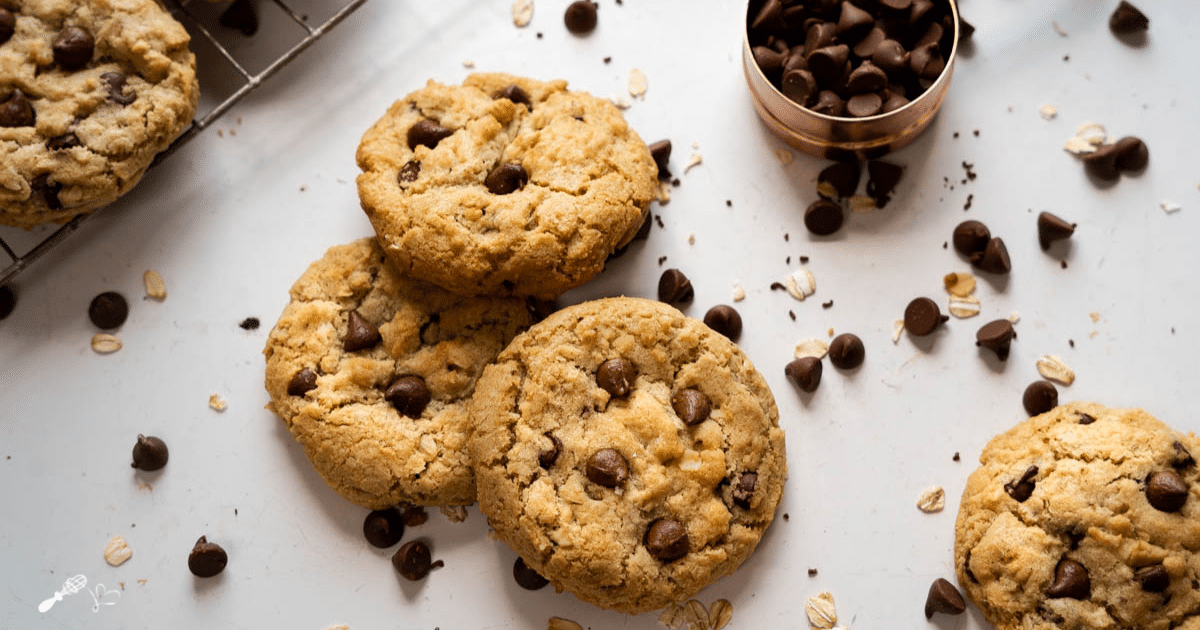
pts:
[632, 486]
[372, 373]
[434, 185]
[90, 92]
[1084, 517]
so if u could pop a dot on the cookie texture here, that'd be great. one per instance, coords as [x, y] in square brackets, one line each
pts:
[629, 454]
[372, 373]
[90, 92]
[504, 185]
[1084, 517]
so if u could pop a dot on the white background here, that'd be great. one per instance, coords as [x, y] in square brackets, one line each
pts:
[232, 220]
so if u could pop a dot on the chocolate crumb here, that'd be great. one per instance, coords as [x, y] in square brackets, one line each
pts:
[792, 314]
[957, 457]
[778, 286]
[608, 60]
[789, 260]
[945, 244]
[659, 221]
[967, 205]
[250, 323]
[803, 260]
[956, 135]
[675, 182]
[729, 203]
[812, 573]
[828, 304]
[1071, 342]
[786, 237]
[1064, 264]
[970, 173]
[661, 260]
[976, 133]
[539, 35]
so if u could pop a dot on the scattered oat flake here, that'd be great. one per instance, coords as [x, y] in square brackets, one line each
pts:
[117, 551]
[800, 283]
[216, 402]
[1170, 207]
[932, 499]
[1048, 111]
[621, 102]
[963, 307]
[862, 203]
[468, 64]
[821, 611]
[960, 283]
[739, 292]
[1087, 137]
[1060, 30]
[693, 161]
[671, 617]
[558, 623]
[695, 614]
[691, 239]
[720, 613]
[827, 190]
[455, 513]
[897, 331]
[1053, 368]
[664, 193]
[522, 12]
[785, 156]
[339, 626]
[815, 348]
[155, 287]
[105, 343]
[637, 83]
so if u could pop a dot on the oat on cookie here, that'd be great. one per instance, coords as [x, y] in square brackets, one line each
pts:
[504, 185]
[372, 373]
[90, 92]
[1084, 517]
[630, 454]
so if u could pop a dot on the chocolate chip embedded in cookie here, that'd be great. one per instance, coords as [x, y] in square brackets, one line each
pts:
[1081, 517]
[631, 455]
[372, 373]
[504, 185]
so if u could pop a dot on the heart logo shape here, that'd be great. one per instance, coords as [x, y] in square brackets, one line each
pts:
[102, 597]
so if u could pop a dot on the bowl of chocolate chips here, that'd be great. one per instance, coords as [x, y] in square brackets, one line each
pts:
[849, 79]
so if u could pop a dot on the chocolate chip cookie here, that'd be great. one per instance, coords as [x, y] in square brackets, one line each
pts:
[1084, 517]
[504, 185]
[629, 454]
[90, 92]
[372, 372]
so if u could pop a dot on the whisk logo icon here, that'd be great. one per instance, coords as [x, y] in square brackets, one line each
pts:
[79, 583]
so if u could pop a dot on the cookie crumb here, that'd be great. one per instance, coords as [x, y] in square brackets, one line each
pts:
[637, 83]
[1048, 111]
[217, 403]
[1170, 207]
[455, 513]
[659, 221]
[1095, 316]
[155, 286]
[468, 64]
[608, 60]
[117, 551]
[728, 203]
[522, 13]
[142, 582]
[739, 293]
[1014, 317]
[1062, 32]
[803, 260]
[621, 102]
[931, 500]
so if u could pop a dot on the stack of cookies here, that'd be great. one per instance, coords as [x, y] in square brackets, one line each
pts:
[627, 453]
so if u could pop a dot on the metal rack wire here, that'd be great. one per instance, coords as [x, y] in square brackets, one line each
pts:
[22, 261]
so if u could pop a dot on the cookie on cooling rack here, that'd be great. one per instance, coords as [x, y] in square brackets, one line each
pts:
[90, 92]
[1084, 517]
[629, 454]
[504, 185]
[372, 373]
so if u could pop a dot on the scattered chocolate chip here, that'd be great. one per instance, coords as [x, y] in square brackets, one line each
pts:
[63, 142]
[515, 94]
[842, 177]
[1039, 397]
[527, 578]
[303, 381]
[743, 489]
[413, 560]
[1021, 489]
[661, 152]
[1102, 163]
[823, 217]
[409, 395]
[47, 190]
[616, 376]
[996, 335]
[1132, 154]
[1166, 491]
[725, 320]
[995, 257]
[8, 25]
[1052, 228]
[1127, 19]
[427, 133]
[149, 453]
[805, 373]
[966, 29]
[108, 310]
[607, 467]
[8, 301]
[691, 405]
[73, 48]
[414, 516]
[846, 351]
[547, 457]
[506, 178]
[250, 323]
[116, 83]
[675, 288]
[1153, 579]
[882, 178]
[944, 598]
[812, 573]
[16, 110]
[1070, 580]
[922, 316]
[971, 238]
[580, 17]
[360, 334]
[240, 16]
[667, 540]
[207, 559]
[383, 528]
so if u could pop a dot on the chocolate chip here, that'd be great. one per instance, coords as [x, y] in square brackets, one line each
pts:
[1127, 19]
[995, 257]
[1070, 580]
[506, 178]
[409, 172]
[1086, 418]
[691, 405]
[360, 334]
[996, 335]
[882, 178]
[1039, 397]
[616, 376]
[1153, 579]
[63, 142]
[824, 217]
[922, 316]
[1166, 491]
[547, 457]
[971, 238]
[725, 320]
[667, 540]
[1021, 489]
[675, 288]
[250, 323]
[302, 382]
[1102, 163]
[769, 17]
[768, 60]
[8, 301]
[73, 48]
[108, 310]
[1132, 154]
[894, 102]
[805, 373]
[1052, 228]
[580, 17]
[17, 111]
[116, 82]
[829, 103]
[207, 559]
[661, 152]
[890, 56]
[414, 516]
[868, 77]
[47, 190]
[409, 395]
[863, 105]
[240, 16]
[853, 22]
[607, 467]
[527, 578]
[8, 25]
[149, 453]
[799, 86]
[1182, 459]
[944, 598]
[413, 560]
[383, 528]
[843, 177]
[866, 47]
[427, 133]
[743, 489]
[827, 63]
[896, 7]
[966, 29]
[926, 61]
[515, 94]
[846, 351]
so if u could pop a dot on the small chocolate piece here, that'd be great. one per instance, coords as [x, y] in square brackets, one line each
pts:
[661, 152]
[691, 405]
[667, 540]
[1127, 19]
[853, 22]
[769, 17]
[995, 257]
[743, 489]
[675, 288]
[1021, 489]
[616, 376]
[882, 178]
[250, 323]
[8, 301]
[607, 467]
[1182, 459]
[16, 110]
[944, 598]
[1052, 228]
[409, 395]
[8, 25]
[207, 559]
[1086, 418]
[241, 16]
[932, 35]
[827, 63]
[895, 7]
[890, 56]
[108, 310]
[383, 528]
[1166, 491]
[843, 177]
[414, 516]
[971, 238]
[1039, 397]
[427, 133]
[73, 48]
[1102, 163]
[863, 105]
[725, 320]
[966, 29]
[996, 335]
[830, 104]
[846, 351]
[926, 62]
[360, 334]
[805, 373]
[116, 83]
[149, 453]
[547, 457]
[920, 10]
[799, 86]
[413, 560]
[824, 217]
[818, 35]
[527, 578]
[869, 44]
[580, 17]
[515, 94]
[61, 143]
[409, 172]
[867, 77]
[1071, 580]
[1153, 579]
[922, 316]
[47, 190]
[769, 60]
[1132, 154]
[302, 382]
[506, 178]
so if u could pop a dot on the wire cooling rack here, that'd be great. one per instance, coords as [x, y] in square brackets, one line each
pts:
[23, 257]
